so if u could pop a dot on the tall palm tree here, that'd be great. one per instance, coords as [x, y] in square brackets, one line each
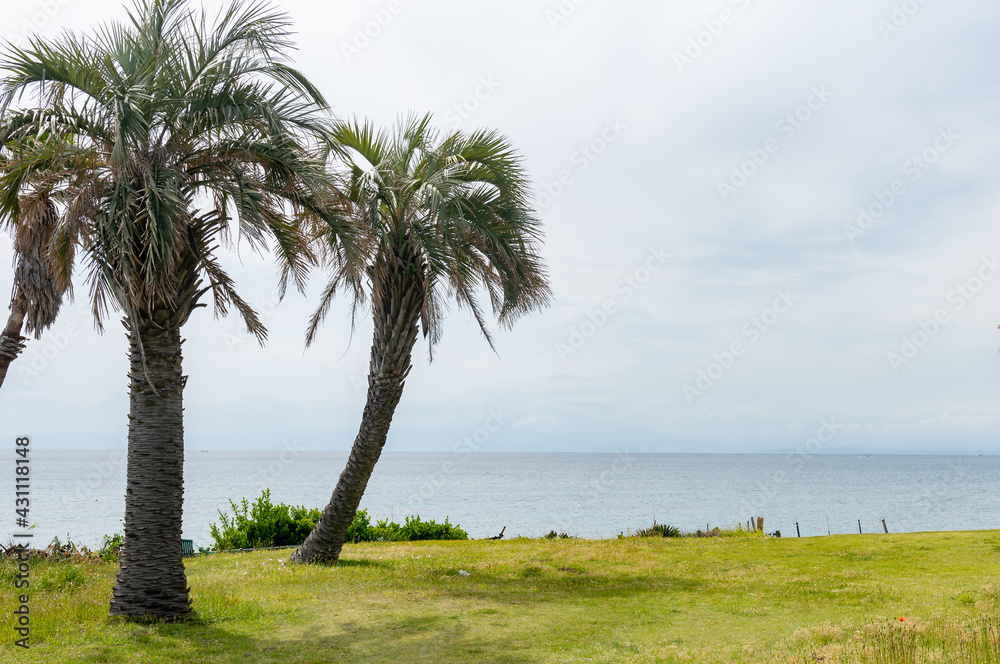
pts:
[167, 136]
[443, 219]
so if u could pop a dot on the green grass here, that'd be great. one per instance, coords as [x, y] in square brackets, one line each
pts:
[739, 599]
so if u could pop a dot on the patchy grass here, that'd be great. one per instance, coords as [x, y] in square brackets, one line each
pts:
[749, 599]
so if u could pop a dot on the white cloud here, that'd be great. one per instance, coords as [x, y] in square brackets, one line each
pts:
[654, 186]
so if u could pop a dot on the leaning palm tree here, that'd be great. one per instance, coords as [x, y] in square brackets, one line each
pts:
[38, 291]
[167, 136]
[448, 218]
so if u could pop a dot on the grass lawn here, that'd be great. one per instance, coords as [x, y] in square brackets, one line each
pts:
[738, 599]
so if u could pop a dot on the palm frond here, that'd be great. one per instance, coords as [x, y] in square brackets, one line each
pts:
[456, 207]
[130, 128]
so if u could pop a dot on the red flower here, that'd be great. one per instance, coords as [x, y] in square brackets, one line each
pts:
[902, 619]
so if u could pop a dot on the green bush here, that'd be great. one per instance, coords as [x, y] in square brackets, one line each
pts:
[111, 548]
[263, 524]
[359, 529]
[659, 530]
[416, 530]
[413, 530]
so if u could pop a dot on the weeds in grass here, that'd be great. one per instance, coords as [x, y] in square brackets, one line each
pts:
[665, 530]
[891, 643]
[111, 548]
[71, 551]
[981, 642]
[659, 530]
[902, 641]
[554, 535]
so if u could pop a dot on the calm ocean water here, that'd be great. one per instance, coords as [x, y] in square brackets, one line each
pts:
[591, 495]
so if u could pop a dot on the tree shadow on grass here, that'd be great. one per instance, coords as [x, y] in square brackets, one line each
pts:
[360, 562]
[577, 586]
[415, 639]
[388, 626]
[539, 584]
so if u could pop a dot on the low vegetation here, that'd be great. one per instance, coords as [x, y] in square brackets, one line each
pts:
[264, 524]
[660, 530]
[928, 597]
[412, 530]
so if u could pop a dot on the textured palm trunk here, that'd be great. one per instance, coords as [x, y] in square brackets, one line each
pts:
[396, 314]
[11, 341]
[151, 581]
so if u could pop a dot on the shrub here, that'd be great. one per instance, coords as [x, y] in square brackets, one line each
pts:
[386, 531]
[413, 530]
[359, 530]
[417, 530]
[111, 548]
[659, 530]
[554, 535]
[263, 524]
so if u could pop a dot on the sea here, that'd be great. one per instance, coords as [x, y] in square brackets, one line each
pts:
[80, 494]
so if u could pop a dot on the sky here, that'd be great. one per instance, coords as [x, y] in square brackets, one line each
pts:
[766, 223]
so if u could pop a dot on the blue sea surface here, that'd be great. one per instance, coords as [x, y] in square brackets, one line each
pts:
[81, 493]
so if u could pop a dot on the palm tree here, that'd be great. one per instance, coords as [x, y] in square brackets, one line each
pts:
[166, 136]
[38, 291]
[443, 219]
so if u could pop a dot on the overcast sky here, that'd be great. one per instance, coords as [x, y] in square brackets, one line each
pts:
[759, 215]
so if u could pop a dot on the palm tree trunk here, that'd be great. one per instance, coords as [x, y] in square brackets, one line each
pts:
[151, 580]
[11, 341]
[396, 314]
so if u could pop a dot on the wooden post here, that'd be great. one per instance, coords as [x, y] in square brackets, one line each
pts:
[885, 527]
[797, 531]
[760, 524]
[859, 526]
